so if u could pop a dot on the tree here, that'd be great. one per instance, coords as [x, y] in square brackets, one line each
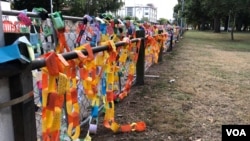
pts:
[72, 7]
[163, 21]
[145, 19]
[29, 5]
[238, 9]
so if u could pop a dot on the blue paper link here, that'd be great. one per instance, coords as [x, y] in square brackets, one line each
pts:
[12, 52]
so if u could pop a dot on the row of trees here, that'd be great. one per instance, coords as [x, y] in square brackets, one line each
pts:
[77, 7]
[212, 14]
[71, 7]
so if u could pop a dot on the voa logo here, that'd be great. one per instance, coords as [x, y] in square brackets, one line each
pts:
[236, 132]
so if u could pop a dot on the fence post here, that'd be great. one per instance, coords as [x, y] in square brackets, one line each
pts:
[6, 128]
[171, 42]
[140, 65]
[161, 48]
[23, 113]
[16, 99]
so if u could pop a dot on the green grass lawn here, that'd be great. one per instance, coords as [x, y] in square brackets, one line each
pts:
[221, 40]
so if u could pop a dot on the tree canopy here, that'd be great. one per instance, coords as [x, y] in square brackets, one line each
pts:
[212, 14]
[72, 7]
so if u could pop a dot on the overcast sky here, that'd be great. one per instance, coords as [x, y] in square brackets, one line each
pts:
[164, 7]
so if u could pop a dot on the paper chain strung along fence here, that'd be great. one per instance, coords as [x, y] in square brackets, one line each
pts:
[108, 70]
[98, 75]
[59, 78]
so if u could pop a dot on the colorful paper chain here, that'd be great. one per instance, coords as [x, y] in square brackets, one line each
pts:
[98, 74]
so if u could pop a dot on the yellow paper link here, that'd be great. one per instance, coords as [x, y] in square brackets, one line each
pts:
[87, 83]
[52, 83]
[76, 107]
[110, 77]
[45, 94]
[95, 101]
[74, 83]
[123, 57]
[90, 64]
[96, 82]
[69, 131]
[100, 59]
[56, 119]
[87, 138]
[109, 114]
[82, 47]
[108, 68]
[132, 68]
[116, 77]
[77, 133]
[104, 38]
[109, 110]
[114, 127]
[49, 119]
[62, 83]
[44, 125]
[69, 105]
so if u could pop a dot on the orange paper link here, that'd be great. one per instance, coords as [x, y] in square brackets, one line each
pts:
[90, 51]
[62, 59]
[81, 56]
[126, 128]
[44, 80]
[140, 126]
[84, 73]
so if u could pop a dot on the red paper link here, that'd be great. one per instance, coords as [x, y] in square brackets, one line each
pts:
[53, 101]
[73, 92]
[51, 63]
[55, 135]
[112, 56]
[110, 96]
[74, 118]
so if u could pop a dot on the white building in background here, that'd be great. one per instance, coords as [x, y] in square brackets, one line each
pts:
[138, 9]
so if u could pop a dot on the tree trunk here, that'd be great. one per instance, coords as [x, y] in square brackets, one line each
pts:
[232, 31]
[212, 25]
[226, 23]
[199, 26]
[217, 24]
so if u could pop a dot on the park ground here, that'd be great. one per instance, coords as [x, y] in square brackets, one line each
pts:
[203, 84]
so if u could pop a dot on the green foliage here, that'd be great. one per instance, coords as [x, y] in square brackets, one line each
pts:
[163, 21]
[128, 18]
[145, 19]
[72, 7]
[208, 14]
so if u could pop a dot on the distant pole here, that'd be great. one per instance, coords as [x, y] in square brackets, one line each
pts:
[182, 7]
[51, 6]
